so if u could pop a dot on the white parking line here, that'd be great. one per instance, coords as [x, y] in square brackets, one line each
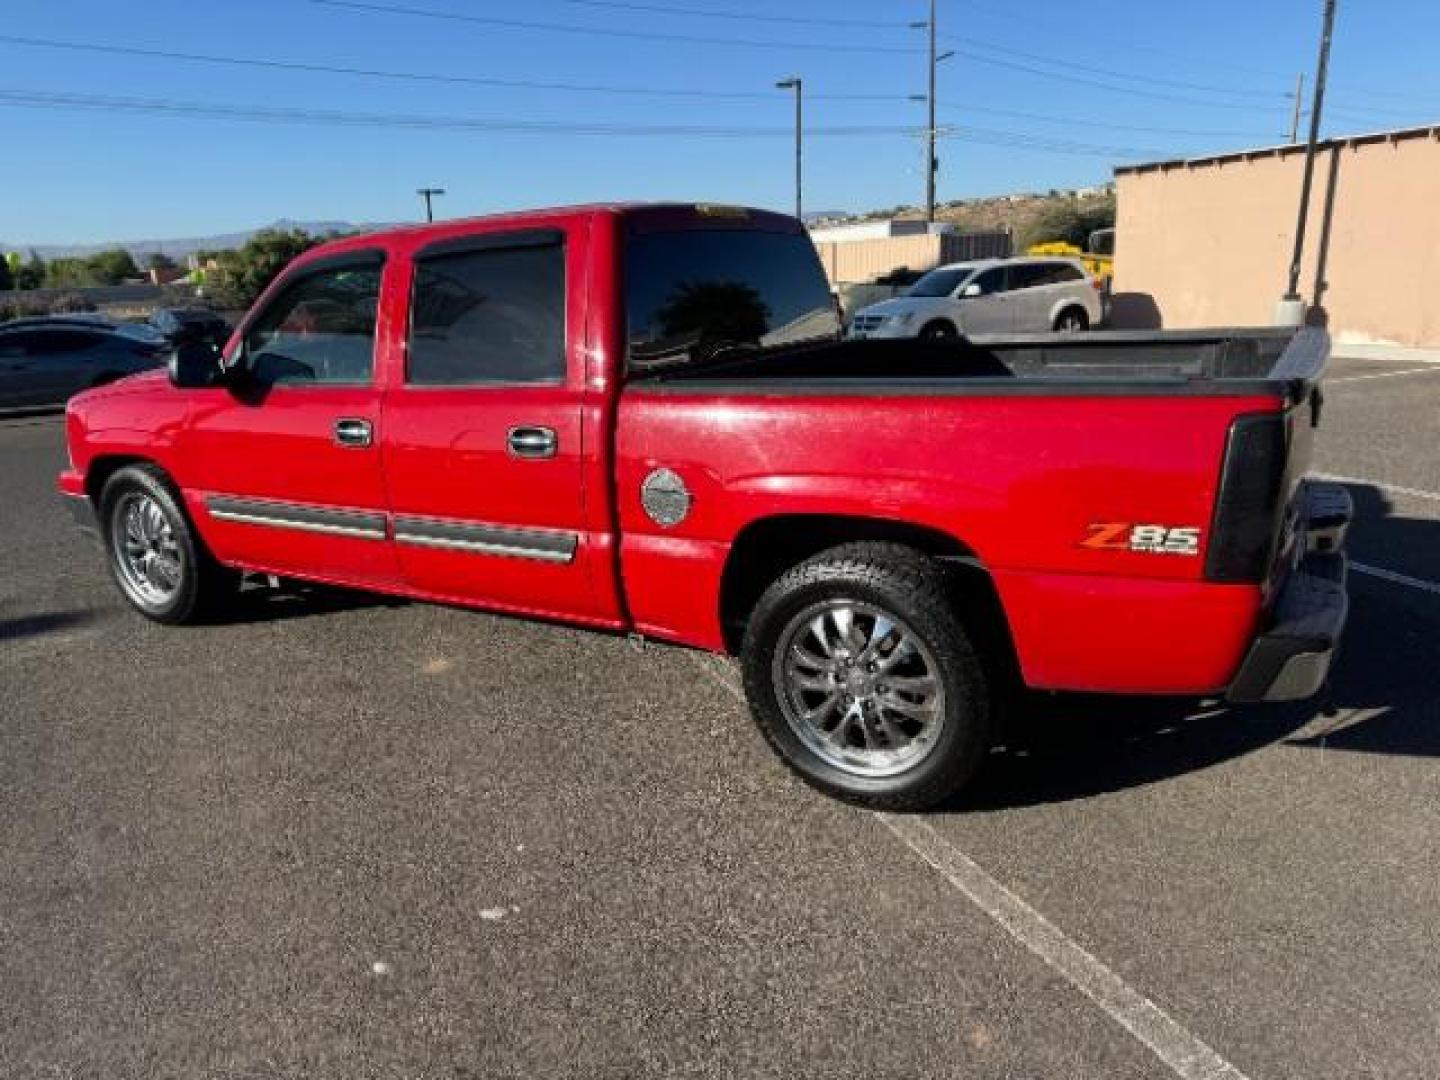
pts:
[1398, 579]
[1383, 375]
[1183, 1052]
[1417, 493]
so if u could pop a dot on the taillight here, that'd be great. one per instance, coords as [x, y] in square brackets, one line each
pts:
[1246, 523]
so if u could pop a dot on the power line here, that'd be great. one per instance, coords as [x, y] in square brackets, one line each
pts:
[413, 76]
[1111, 42]
[504, 125]
[1080, 80]
[734, 16]
[1071, 121]
[1019, 141]
[1113, 74]
[599, 31]
[410, 121]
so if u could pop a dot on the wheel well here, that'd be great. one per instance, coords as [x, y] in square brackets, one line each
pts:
[767, 548]
[1077, 308]
[948, 324]
[104, 467]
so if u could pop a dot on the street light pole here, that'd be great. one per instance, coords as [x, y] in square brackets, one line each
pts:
[1292, 292]
[427, 193]
[798, 85]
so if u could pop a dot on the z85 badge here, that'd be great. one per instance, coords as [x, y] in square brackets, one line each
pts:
[1147, 539]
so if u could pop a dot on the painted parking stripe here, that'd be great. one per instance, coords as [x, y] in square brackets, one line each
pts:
[1181, 1051]
[1383, 375]
[1417, 493]
[1397, 579]
[1178, 1048]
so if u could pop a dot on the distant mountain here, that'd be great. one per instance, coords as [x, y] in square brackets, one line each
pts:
[178, 249]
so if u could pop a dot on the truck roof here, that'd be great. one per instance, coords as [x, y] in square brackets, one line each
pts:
[442, 230]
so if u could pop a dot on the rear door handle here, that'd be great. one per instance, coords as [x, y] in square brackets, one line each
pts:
[353, 432]
[532, 442]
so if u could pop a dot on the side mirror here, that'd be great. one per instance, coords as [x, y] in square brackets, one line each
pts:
[972, 290]
[196, 364]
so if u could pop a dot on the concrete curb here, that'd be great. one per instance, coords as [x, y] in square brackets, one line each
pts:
[1399, 353]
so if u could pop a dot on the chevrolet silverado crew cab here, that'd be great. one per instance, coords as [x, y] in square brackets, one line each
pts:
[641, 419]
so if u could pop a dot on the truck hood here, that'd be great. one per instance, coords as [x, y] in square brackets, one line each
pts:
[143, 382]
[901, 304]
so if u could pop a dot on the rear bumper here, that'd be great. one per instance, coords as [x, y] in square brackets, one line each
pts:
[1291, 660]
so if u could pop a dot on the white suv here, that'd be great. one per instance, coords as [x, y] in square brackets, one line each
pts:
[991, 296]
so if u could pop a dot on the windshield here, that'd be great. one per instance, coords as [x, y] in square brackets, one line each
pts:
[695, 294]
[941, 282]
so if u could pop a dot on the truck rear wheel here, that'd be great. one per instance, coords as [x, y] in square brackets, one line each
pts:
[864, 681]
[155, 556]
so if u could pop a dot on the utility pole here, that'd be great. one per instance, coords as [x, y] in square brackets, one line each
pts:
[798, 85]
[933, 60]
[930, 163]
[1295, 121]
[1292, 292]
[427, 193]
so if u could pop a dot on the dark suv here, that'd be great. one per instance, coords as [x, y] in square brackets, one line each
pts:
[44, 361]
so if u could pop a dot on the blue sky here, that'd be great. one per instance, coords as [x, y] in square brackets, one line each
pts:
[1206, 76]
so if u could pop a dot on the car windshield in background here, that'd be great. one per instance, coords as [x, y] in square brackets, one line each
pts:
[941, 282]
[693, 295]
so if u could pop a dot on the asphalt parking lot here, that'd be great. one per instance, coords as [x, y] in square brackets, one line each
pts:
[347, 837]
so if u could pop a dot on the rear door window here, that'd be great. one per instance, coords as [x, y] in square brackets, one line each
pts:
[494, 315]
[994, 280]
[1031, 275]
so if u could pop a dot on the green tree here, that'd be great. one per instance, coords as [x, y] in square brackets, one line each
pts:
[159, 261]
[68, 273]
[112, 267]
[242, 274]
[31, 273]
[7, 276]
[1069, 220]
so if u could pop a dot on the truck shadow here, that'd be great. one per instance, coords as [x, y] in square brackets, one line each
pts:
[258, 602]
[1383, 698]
[32, 626]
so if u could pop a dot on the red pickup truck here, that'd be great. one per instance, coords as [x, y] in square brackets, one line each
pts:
[641, 419]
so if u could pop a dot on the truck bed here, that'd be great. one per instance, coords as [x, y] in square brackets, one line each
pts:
[1278, 362]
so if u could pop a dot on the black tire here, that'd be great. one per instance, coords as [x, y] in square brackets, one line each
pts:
[939, 330]
[202, 585]
[909, 588]
[1072, 320]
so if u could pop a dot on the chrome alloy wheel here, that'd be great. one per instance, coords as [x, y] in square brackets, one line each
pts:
[150, 562]
[859, 688]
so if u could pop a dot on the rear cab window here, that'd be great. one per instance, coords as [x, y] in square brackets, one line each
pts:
[698, 289]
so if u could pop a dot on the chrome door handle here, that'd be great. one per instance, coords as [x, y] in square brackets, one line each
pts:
[532, 442]
[353, 432]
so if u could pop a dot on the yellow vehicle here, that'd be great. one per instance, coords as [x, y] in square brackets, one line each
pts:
[1098, 256]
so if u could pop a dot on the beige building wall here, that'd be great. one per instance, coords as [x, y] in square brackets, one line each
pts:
[865, 260]
[1208, 243]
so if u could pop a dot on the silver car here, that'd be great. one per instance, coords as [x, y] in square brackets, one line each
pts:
[990, 296]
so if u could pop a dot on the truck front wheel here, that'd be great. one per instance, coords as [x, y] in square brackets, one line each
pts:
[864, 681]
[157, 560]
